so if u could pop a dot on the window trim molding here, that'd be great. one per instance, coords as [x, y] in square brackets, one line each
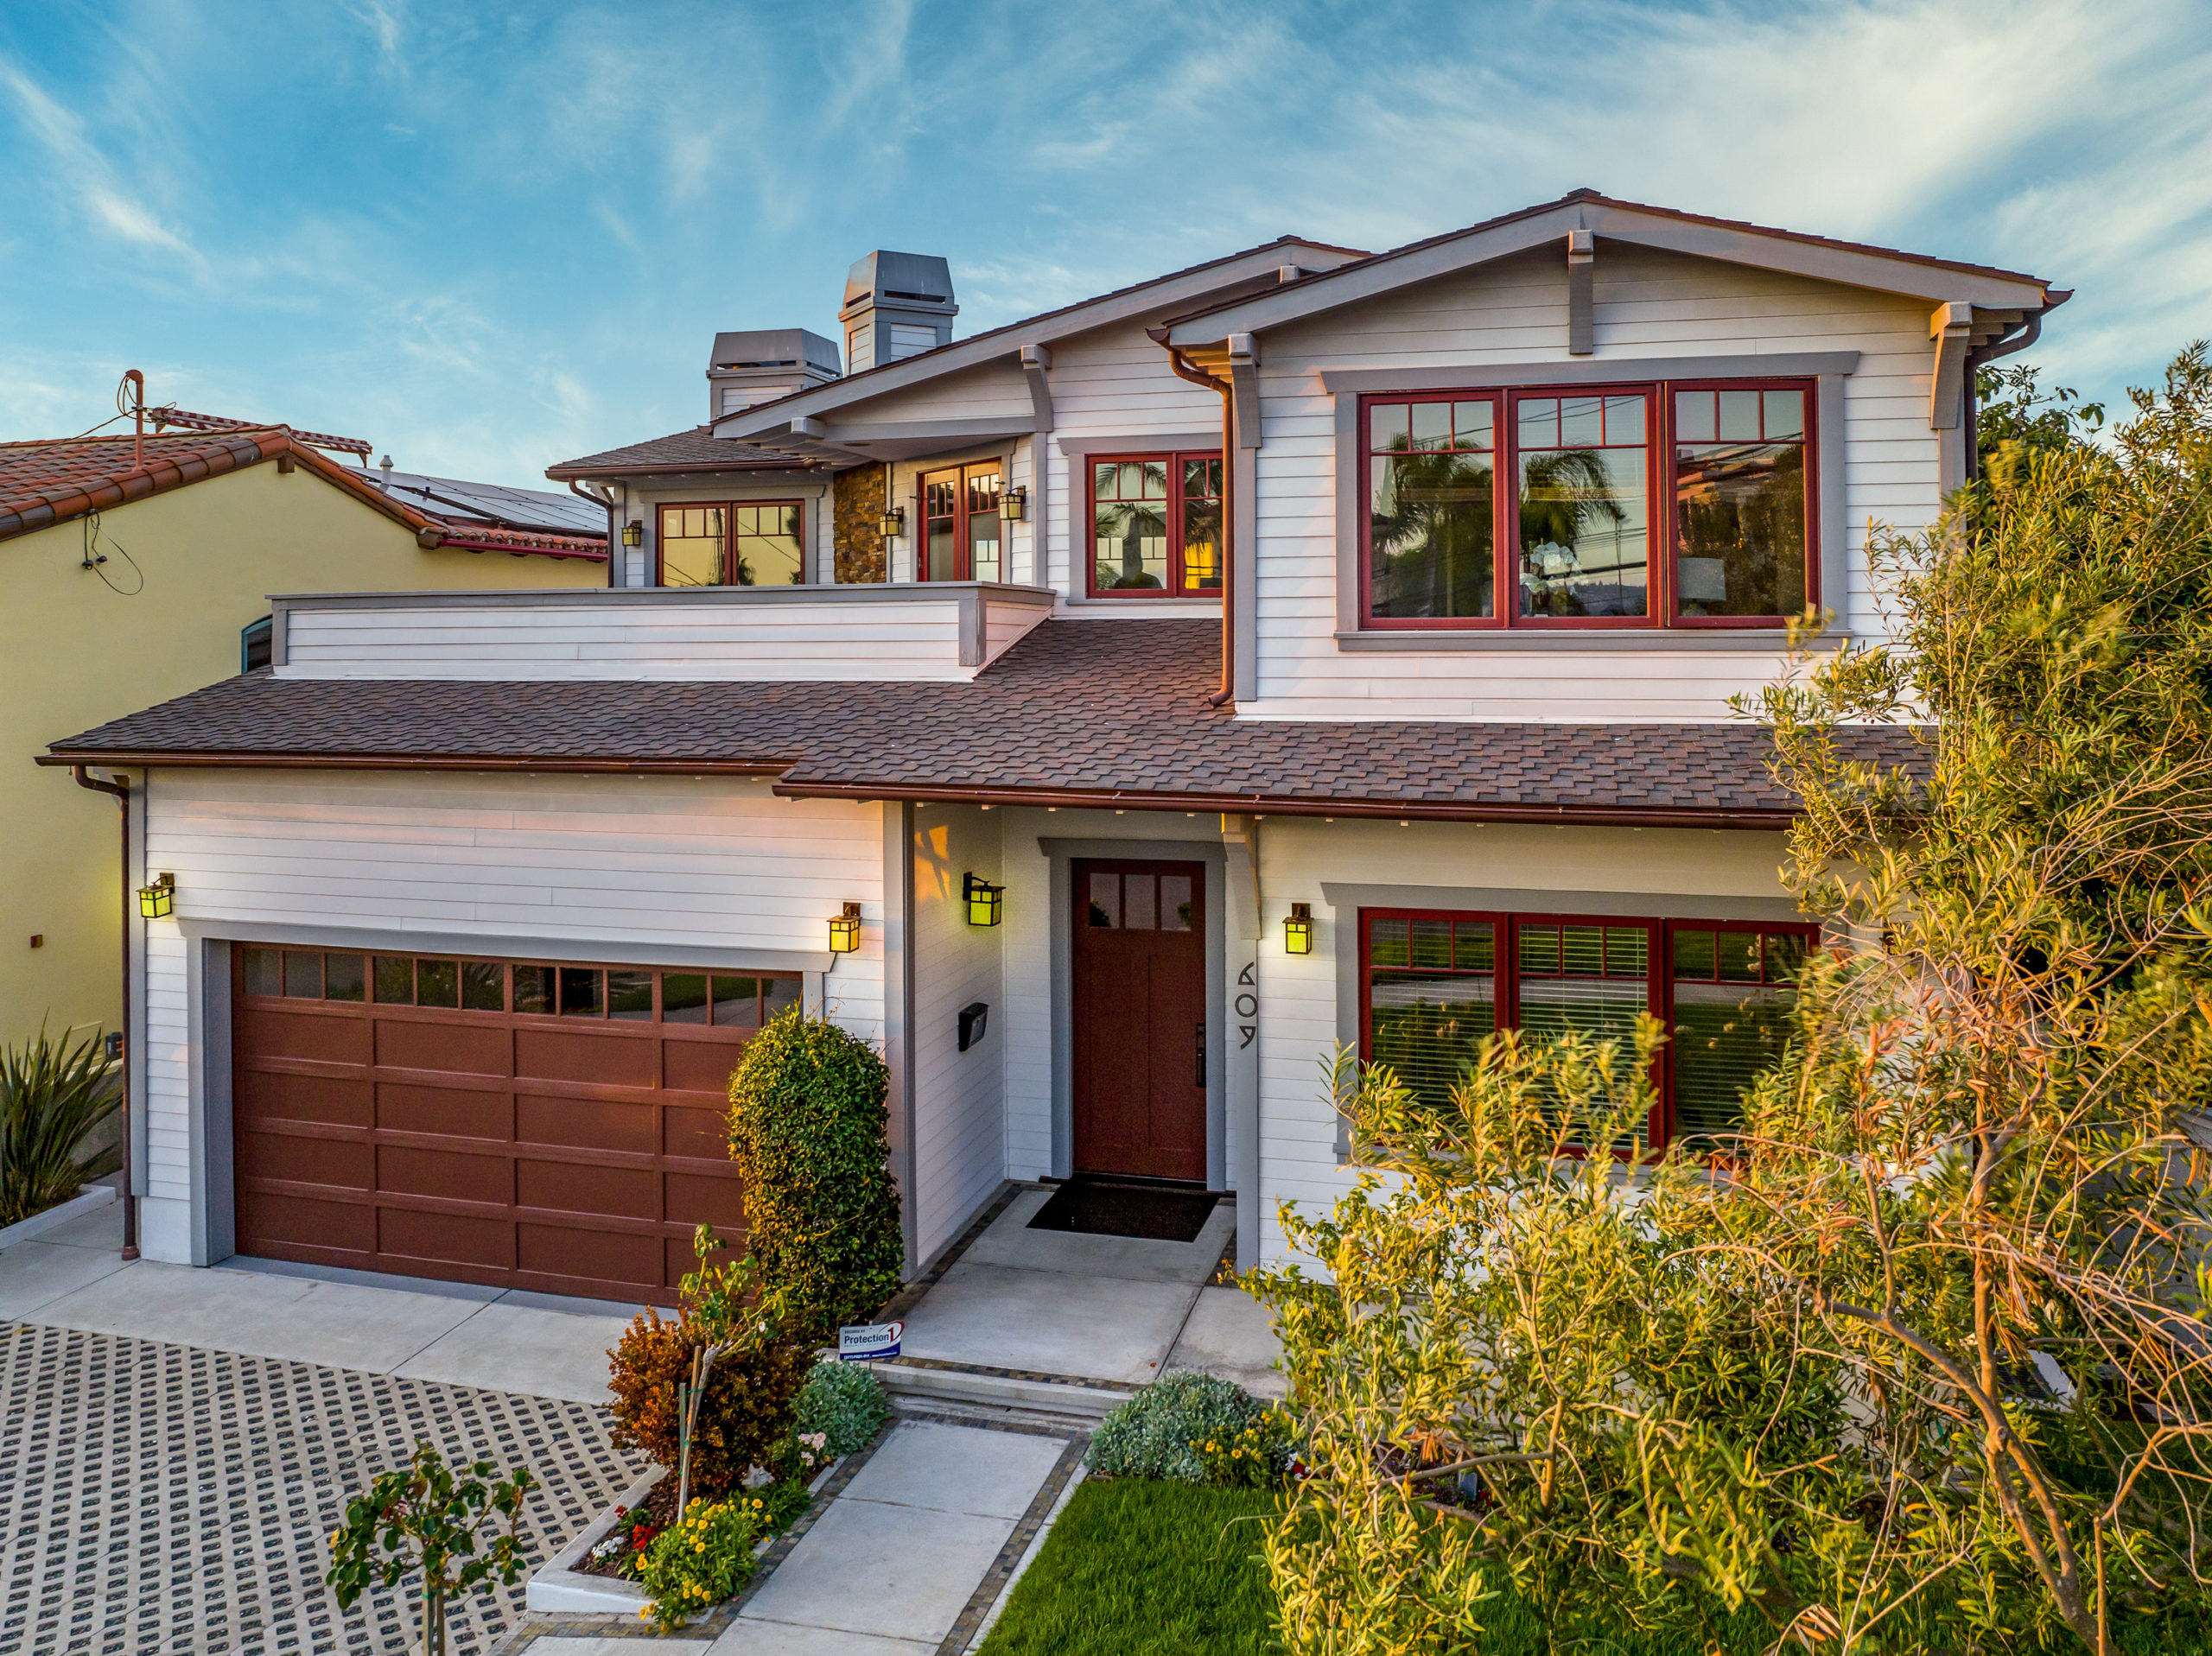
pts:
[1827, 528]
[1088, 518]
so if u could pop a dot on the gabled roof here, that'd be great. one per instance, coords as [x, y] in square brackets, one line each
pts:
[1026, 730]
[701, 449]
[44, 482]
[1850, 263]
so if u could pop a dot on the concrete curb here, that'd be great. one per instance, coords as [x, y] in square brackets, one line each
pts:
[560, 1589]
[87, 1199]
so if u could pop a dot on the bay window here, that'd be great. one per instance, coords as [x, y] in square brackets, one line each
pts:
[1537, 507]
[1155, 525]
[1434, 984]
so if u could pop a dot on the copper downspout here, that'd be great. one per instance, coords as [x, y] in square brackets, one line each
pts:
[120, 791]
[1199, 377]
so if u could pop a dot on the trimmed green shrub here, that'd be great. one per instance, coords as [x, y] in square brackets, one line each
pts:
[844, 1404]
[52, 1092]
[809, 1129]
[691, 1567]
[1183, 1427]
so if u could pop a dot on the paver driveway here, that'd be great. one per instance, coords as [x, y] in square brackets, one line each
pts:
[159, 1497]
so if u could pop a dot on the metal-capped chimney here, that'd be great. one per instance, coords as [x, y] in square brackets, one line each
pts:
[762, 364]
[896, 305]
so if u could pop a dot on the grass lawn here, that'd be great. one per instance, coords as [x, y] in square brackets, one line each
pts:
[1138, 1567]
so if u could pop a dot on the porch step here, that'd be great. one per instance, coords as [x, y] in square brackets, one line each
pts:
[1066, 1395]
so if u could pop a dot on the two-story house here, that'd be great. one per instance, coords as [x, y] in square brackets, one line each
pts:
[1111, 713]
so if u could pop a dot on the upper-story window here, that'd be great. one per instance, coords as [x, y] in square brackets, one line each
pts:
[1155, 525]
[1574, 538]
[961, 526]
[737, 543]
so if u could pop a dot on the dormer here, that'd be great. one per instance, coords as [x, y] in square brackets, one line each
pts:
[760, 364]
[896, 305]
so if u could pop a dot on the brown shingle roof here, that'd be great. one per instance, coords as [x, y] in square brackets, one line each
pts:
[1108, 712]
[695, 450]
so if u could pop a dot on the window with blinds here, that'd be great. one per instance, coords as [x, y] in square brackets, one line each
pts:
[1733, 990]
[1434, 984]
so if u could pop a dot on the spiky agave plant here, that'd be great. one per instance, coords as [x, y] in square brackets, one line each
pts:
[53, 1091]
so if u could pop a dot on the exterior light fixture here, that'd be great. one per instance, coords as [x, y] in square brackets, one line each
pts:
[845, 931]
[1014, 505]
[894, 522]
[633, 533]
[986, 901]
[1298, 930]
[158, 901]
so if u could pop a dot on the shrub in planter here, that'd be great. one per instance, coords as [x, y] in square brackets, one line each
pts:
[808, 1128]
[751, 1390]
[52, 1092]
[691, 1567]
[841, 1408]
[1189, 1428]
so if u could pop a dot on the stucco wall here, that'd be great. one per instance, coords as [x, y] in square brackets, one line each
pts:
[192, 566]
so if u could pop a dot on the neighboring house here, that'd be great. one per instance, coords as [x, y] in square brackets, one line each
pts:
[1304, 648]
[139, 571]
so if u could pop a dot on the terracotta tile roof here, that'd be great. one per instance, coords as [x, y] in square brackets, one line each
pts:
[1035, 726]
[695, 450]
[50, 481]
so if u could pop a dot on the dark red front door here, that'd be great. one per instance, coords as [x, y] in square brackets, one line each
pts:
[1140, 1019]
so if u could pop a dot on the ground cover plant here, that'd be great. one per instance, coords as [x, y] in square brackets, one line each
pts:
[841, 1408]
[810, 1131]
[1916, 1358]
[53, 1091]
[1192, 1428]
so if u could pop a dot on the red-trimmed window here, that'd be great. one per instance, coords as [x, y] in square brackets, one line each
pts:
[961, 527]
[1743, 502]
[1433, 983]
[1577, 534]
[1155, 525]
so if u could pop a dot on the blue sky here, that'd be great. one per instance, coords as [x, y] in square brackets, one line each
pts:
[489, 238]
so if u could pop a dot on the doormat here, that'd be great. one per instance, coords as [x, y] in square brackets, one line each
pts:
[1109, 1207]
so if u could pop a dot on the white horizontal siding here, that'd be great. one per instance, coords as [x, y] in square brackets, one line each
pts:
[995, 391]
[622, 868]
[1298, 993]
[1648, 303]
[903, 639]
[1006, 624]
[959, 1105]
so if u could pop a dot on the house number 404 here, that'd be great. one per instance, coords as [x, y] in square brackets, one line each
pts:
[1248, 1004]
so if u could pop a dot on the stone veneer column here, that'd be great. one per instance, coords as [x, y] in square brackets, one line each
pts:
[857, 547]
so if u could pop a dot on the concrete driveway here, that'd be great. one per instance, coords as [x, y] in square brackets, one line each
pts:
[179, 1444]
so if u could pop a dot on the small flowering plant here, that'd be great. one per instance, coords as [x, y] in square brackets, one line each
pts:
[691, 1567]
[1257, 1455]
[625, 1544]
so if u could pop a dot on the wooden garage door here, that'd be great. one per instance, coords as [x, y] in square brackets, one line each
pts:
[557, 1127]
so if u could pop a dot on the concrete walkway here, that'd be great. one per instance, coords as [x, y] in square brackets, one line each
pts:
[534, 1344]
[901, 1563]
[1098, 1308]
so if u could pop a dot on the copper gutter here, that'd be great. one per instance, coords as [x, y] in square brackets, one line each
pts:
[1183, 369]
[120, 792]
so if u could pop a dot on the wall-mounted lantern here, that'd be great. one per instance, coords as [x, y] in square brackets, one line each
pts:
[633, 532]
[1014, 505]
[1298, 930]
[893, 523]
[845, 931]
[158, 901]
[986, 901]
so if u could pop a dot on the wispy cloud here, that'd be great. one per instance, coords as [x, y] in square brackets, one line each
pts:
[88, 179]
